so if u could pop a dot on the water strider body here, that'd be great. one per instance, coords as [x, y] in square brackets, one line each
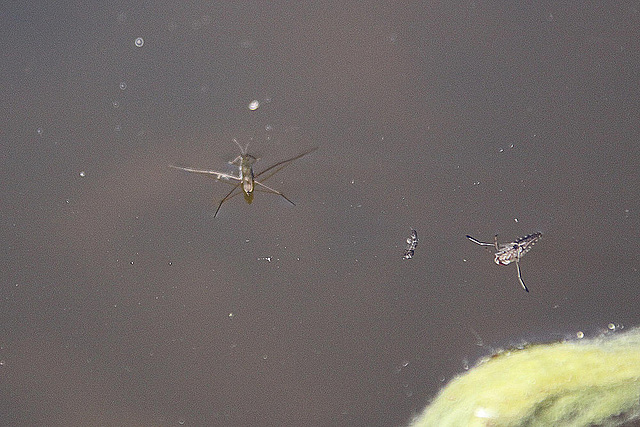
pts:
[510, 252]
[246, 179]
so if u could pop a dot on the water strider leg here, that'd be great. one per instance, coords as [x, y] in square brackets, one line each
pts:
[478, 242]
[228, 196]
[520, 276]
[274, 191]
[280, 165]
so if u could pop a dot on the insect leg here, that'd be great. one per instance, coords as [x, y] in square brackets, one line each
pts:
[520, 276]
[228, 196]
[478, 242]
[282, 164]
[274, 191]
[495, 242]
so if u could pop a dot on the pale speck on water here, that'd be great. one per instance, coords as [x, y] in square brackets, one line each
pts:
[83, 174]
[115, 104]
[253, 105]
[580, 334]
[123, 85]
[139, 42]
[39, 131]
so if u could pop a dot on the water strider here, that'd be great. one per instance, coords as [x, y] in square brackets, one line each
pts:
[246, 179]
[507, 253]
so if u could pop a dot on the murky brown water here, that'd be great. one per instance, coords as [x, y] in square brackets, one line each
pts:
[124, 302]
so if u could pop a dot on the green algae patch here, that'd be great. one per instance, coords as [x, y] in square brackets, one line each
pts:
[573, 383]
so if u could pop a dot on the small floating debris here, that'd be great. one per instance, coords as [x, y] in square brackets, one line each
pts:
[412, 242]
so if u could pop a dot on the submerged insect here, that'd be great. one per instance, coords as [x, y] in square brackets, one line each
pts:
[246, 180]
[510, 252]
[412, 242]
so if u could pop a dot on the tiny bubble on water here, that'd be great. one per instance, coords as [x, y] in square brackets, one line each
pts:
[83, 174]
[139, 42]
[115, 104]
[254, 105]
[123, 85]
[264, 357]
[39, 131]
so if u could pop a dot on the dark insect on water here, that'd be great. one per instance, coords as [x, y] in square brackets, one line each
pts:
[510, 252]
[246, 180]
[412, 242]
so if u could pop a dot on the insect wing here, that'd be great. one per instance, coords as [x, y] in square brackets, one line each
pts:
[526, 243]
[514, 251]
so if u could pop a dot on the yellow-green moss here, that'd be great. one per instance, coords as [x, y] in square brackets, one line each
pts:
[574, 383]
